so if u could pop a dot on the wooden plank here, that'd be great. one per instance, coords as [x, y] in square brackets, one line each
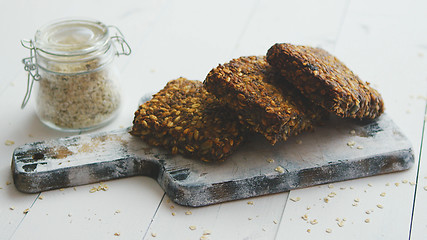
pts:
[384, 34]
[21, 19]
[419, 218]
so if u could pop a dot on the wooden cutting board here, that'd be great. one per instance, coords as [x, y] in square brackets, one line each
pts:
[340, 150]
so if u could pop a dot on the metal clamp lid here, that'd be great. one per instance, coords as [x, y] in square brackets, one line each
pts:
[30, 65]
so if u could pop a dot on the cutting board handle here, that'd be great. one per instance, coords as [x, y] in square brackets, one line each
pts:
[83, 159]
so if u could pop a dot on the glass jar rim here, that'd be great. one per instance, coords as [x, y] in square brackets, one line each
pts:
[72, 37]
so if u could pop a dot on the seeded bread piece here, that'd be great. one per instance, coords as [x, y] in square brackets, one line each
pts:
[326, 81]
[264, 104]
[184, 118]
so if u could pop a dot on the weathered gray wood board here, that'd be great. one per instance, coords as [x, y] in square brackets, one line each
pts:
[323, 156]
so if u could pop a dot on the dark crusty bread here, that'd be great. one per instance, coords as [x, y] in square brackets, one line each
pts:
[184, 118]
[326, 81]
[262, 99]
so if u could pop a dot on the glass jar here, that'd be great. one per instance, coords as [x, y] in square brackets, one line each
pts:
[73, 62]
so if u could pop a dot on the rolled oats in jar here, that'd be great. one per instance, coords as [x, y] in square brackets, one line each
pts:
[73, 62]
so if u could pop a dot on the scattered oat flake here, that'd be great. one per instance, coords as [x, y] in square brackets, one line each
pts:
[382, 194]
[192, 227]
[153, 234]
[41, 197]
[340, 223]
[397, 184]
[117, 234]
[342, 188]
[172, 207]
[61, 189]
[308, 208]
[369, 185]
[331, 186]
[250, 203]
[8, 182]
[9, 142]
[274, 221]
[425, 188]
[352, 132]
[188, 213]
[314, 221]
[404, 181]
[326, 200]
[328, 230]
[12, 208]
[270, 160]
[249, 218]
[207, 232]
[203, 237]
[279, 169]
[296, 199]
[26, 211]
[332, 194]
[69, 215]
[367, 220]
[309, 230]
[368, 211]
[355, 204]
[263, 228]
[351, 187]
[357, 200]
[304, 217]
[412, 183]
[359, 147]
[380, 206]
[351, 144]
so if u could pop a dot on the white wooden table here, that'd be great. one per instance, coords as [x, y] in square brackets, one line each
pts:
[384, 42]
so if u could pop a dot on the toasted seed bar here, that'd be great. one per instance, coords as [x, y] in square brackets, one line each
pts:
[184, 118]
[249, 86]
[326, 81]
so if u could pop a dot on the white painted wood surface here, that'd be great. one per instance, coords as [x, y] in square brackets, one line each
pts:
[385, 42]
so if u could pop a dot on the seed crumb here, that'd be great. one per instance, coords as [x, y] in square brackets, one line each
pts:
[332, 194]
[314, 221]
[117, 234]
[367, 220]
[309, 230]
[326, 200]
[9, 142]
[304, 217]
[26, 211]
[172, 207]
[351, 144]
[340, 223]
[331, 186]
[412, 183]
[369, 185]
[153, 234]
[359, 147]
[296, 199]
[404, 181]
[354, 204]
[397, 184]
[61, 189]
[382, 194]
[192, 228]
[357, 200]
[188, 213]
[207, 232]
[274, 221]
[279, 169]
[8, 182]
[173, 214]
[308, 208]
[380, 206]
[250, 203]
[41, 197]
[117, 212]
[249, 218]
[270, 160]
[12, 208]
[328, 230]
[425, 188]
[69, 215]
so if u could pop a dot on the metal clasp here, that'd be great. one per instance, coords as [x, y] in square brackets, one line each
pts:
[118, 38]
[30, 65]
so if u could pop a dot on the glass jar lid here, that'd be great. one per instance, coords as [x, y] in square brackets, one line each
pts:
[72, 37]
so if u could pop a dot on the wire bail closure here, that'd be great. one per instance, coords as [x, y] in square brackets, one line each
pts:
[30, 65]
[118, 38]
